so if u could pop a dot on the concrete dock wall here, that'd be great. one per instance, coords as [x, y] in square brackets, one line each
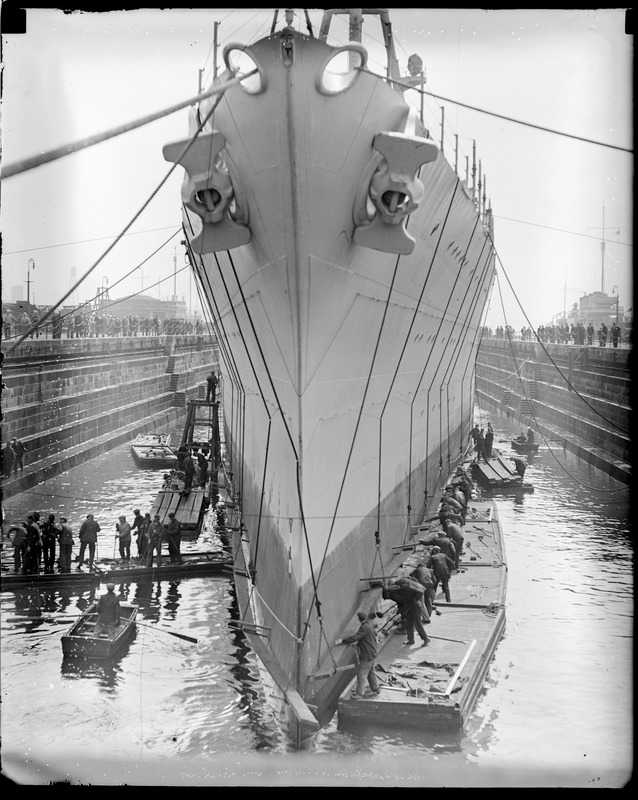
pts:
[69, 400]
[575, 397]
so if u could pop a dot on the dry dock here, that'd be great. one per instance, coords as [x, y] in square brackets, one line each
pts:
[435, 687]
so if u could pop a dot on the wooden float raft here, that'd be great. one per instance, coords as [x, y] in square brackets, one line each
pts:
[188, 509]
[497, 475]
[436, 687]
[153, 451]
[13, 580]
[194, 565]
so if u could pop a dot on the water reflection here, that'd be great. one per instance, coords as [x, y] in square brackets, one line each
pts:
[172, 599]
[104, 672]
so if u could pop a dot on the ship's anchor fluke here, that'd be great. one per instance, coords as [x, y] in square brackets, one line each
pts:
[395, 191]
[208, 191]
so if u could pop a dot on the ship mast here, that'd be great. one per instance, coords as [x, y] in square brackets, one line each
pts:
[355, 16]
[603, 245]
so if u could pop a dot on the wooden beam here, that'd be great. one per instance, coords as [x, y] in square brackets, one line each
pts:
[460, 667]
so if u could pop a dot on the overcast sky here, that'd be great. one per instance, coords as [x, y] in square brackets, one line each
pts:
[75, 75]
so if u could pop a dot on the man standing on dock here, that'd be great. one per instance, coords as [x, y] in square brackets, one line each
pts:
[88, 535]
[123, 529]
[50, 533]
[203, 467]
[138, 526]
[155, 533]
[66, 545]
[19, 543]
[480, 446]
[366, 640]
[188, 465]
[211, 387]
[32, 547]
[489, 440]
[174, 536]
[19, 449]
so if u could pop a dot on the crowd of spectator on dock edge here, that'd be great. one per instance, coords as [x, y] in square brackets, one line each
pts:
[576, 333]
[93, 324]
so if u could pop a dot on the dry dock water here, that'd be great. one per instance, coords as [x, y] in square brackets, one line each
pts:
[436, 686]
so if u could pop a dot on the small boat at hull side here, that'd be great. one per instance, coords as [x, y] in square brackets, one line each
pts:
[80, 639]
[153, 451]
[524, 446]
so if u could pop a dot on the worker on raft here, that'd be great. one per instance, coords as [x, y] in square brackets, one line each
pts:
[521, 466]
[366, 641]
[108, 613]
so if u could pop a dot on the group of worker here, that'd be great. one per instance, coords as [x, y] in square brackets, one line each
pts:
[414, 593]
[36, 542]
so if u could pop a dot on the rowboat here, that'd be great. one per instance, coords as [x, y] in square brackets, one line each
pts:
[435, 687]
[80, 639]
[524, 446]
[495, 474]
[153, 451]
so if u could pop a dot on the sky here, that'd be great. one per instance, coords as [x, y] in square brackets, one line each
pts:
[76, 75]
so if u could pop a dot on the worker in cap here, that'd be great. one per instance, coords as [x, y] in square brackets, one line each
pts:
[366, 641]
[108, 613]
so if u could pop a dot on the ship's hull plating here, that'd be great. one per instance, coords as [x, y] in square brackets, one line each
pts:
[348, 372]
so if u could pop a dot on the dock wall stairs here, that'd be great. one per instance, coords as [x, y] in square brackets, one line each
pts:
[70, 400]
[577, 398]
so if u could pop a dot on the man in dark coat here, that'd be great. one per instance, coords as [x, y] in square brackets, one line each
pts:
[489, 440]
[174, 536]
[189, 472]
[203, 467]
[442, 566]
[366, 640]
[395, 593]
[211, 387]
[455, 533]
[425, 577]
[155, 535]
[66, 545]
[32, 547]
[446, 545]
[521, 466]
[615, 334]
[19, 542]
[50, 533]
[480, 446]
[8, 459]
[138, 526]
[415, 609]
[108, 612]
[88, 536]
[19, 449]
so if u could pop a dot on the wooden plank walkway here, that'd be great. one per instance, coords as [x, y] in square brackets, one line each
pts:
[188, 509]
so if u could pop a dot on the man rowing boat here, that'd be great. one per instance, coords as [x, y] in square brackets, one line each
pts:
[108, 612]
